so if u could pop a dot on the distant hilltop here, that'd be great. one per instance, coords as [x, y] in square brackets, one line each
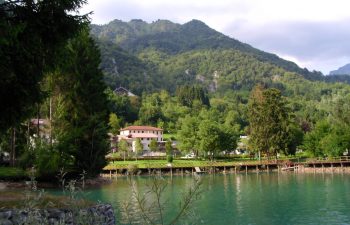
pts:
[344, 70]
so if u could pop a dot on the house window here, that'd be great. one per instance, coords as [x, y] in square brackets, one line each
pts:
[142, 131]
[147, 139]
[141, 139]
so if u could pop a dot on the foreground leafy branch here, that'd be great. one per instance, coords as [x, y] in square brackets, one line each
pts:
[141, 209]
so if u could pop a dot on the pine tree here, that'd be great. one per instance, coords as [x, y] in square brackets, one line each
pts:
[84, 120]
[31, 34]
[268, 121]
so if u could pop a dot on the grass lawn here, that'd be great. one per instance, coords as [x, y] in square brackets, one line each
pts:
[12, 173]
[177, 163]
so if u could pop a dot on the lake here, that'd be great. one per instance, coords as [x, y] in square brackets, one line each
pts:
[264, 198]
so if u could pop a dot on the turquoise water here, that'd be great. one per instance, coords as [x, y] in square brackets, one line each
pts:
[274, 198]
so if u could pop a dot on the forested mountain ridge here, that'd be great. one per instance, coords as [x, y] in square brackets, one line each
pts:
[163, 40]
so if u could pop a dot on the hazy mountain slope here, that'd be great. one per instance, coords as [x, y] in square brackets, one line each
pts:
[344, 70]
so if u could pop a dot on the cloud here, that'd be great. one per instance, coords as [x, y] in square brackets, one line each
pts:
[312, 32]
[315, 45]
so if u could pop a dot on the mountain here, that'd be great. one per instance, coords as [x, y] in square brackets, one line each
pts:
[344, 70]
[171, 38]
[146, 57]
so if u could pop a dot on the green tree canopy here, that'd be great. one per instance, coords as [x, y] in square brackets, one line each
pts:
[84, 118]
[268, 120]
[138, 146]
[31, 35]
[153, 145]
[123, 147]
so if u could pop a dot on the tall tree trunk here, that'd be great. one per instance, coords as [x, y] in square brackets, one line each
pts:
[13, 146]
[28, 133]
[38, 122]
[50, 121]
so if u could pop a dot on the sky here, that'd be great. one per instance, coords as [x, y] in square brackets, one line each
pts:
[312, 33]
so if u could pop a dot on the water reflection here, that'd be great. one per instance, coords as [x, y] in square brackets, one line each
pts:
[264, 198]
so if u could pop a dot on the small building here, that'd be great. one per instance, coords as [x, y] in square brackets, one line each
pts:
[123, 91]
[144, 133]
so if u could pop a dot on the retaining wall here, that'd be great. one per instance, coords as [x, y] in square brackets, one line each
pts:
[101, 214]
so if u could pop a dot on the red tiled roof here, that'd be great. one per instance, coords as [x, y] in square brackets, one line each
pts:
[142, 128]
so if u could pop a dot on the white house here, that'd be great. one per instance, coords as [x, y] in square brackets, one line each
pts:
[145, 133]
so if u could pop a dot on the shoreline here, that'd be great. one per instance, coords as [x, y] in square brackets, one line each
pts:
[216, 170]
[106, 178]
[89, 183]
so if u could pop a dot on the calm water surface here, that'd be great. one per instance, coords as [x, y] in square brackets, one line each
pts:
[274, 198]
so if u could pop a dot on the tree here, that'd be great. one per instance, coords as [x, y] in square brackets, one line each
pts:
[168, 148]
[84, 118]
[209, 138]
[31, 35]
[327, 139]
[229, 136]
[123, 146]
[268, 121]
[153, 145]
[138, 147]
[188, 134]
[114, 123]
[186, 95]
[169, 151]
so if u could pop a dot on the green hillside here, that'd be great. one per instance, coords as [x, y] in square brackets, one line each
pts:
[171, 39]
[148, 57]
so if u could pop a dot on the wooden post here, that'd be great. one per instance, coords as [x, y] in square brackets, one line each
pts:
[257, 168]
[110, 174]
[171, 172]
[246, 169]
[224, 170]
[267, 167]
[235, 169]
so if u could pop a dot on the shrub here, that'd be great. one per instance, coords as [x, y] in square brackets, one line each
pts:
[132, 169]
[169, 158]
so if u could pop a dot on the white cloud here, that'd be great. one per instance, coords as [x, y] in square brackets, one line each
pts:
[308, 31]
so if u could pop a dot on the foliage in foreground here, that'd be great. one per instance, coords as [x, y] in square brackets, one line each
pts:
[149, 207]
